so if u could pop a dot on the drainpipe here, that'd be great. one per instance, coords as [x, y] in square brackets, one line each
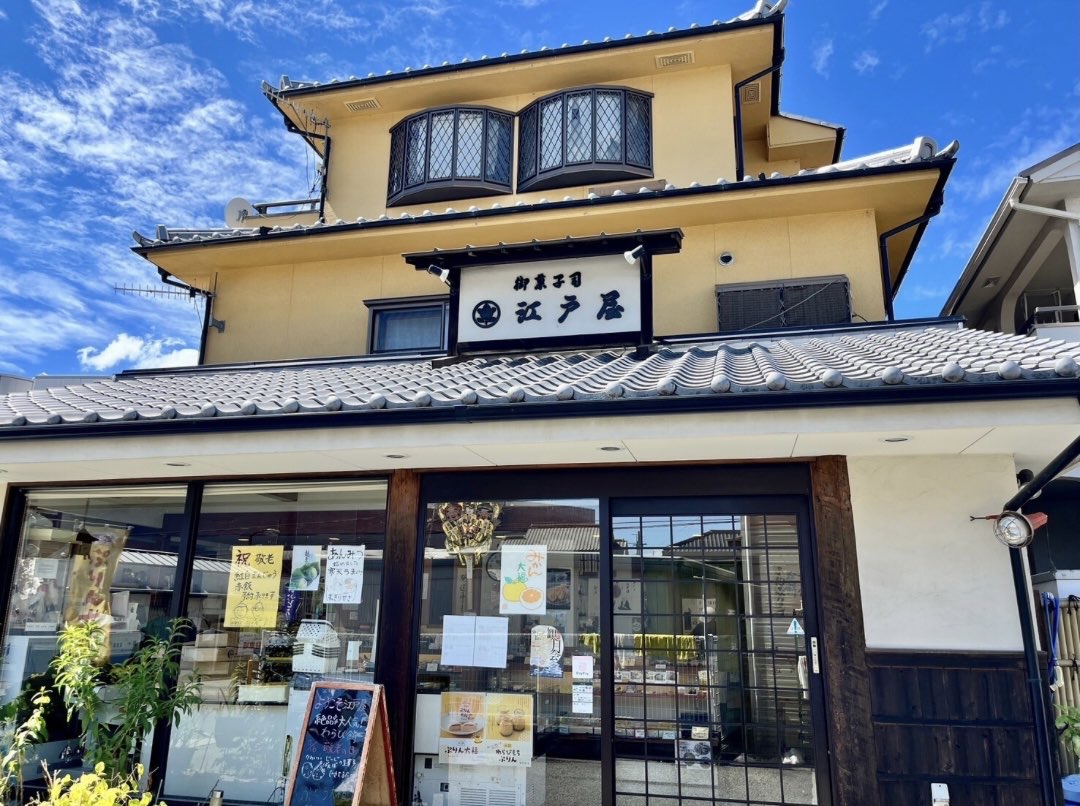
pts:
[1039, 704]
[740, 163]
[883, 250]
[207, 296]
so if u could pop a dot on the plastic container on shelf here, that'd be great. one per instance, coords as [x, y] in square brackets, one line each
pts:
[317, 647]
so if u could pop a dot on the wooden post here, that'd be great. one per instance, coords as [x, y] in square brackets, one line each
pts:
[396, 656]
[847, 681]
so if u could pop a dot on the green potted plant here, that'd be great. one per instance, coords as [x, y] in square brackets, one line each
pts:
[119, 705]
[1067, 723]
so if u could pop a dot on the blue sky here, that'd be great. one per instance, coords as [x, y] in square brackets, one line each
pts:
[124, 114]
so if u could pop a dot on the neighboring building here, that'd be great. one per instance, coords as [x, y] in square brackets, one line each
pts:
[605, 314]
[1024, 274]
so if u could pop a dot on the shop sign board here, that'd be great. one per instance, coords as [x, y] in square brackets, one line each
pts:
[588, 299]
[343, 756]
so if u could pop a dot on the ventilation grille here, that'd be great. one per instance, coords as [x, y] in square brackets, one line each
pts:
[797, 303]
[751, 93]
[495, 796]
[363, 105]
[675, 59]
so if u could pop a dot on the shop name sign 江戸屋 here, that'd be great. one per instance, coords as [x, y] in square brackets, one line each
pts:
[584, 300]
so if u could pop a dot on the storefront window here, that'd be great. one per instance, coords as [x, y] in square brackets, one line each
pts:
[508, 701]
[105, 554]
[285, 590]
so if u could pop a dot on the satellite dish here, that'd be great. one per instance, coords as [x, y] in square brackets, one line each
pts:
[238, 212]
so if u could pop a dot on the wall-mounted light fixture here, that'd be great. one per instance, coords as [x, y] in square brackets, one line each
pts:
[1015, 529]
[440, 272]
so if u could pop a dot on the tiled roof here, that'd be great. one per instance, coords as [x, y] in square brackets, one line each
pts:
[921, 150]
[761, 370]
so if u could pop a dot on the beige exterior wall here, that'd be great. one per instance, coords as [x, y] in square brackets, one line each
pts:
[693, 140]
[932, 579]
[315, 309]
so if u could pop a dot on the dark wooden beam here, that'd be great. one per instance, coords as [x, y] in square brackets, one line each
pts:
[395, 661]
[847, 682]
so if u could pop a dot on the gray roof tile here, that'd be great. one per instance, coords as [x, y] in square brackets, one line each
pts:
[822, 362]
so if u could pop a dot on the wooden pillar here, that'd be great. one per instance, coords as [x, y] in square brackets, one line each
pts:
[847, 681]
[396, 657]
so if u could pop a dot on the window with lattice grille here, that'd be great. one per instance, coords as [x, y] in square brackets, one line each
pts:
[583, 136]
[804, 302]
[450, 153]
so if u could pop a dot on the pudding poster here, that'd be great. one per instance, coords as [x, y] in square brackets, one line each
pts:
[523, 580]
[486, 729]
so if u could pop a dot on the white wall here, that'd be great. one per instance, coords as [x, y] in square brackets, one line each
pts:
[930, 578]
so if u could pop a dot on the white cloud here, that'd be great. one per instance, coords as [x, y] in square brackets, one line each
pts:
[875, 12]
[866, 62]
[948, 27]
[138, 353]
[822, 54]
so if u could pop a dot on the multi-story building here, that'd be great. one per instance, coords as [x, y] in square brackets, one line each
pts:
[573, 411]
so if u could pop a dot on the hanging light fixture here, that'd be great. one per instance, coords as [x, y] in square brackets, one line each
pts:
[1016, 530]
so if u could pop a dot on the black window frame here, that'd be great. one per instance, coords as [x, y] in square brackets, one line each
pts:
[424, 188]
[532, 176]
[379, 306]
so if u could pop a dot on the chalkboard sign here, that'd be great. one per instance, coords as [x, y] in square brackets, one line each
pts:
[343, 755]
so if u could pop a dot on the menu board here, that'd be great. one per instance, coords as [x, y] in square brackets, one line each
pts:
[343, 757]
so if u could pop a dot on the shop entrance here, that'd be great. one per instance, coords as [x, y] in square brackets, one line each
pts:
[667, 656]
[715, 690]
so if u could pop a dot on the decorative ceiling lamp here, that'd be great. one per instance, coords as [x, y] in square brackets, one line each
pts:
[469, 527]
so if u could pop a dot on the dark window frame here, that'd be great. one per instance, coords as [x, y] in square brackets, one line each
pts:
[400, 191]
[377, 306]
[532, 176]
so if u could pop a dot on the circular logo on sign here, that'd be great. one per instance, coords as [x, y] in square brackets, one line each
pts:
[486, 314]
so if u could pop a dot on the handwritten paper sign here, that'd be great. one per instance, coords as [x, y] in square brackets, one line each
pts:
[582, 698]
[343, 755]
[486, 729]
[254, 585]
[344, 575]
[523, 580]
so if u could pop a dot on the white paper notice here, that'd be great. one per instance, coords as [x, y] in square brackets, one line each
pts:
[583, 667]
[458, 640]
[475, 641]
[344, 575]
[46, 567]
[492, 637]
[582, 698]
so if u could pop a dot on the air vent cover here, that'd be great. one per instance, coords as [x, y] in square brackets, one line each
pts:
[363, 105]
[751, 93]
[792, 303]
[675, 59]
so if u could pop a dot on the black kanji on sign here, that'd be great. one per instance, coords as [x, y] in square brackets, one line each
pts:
[486, 314]
[558, 281]
[575, 279]
[610, 307]
[521, 283]
[527, 311]
[540, 283]
[569, 306]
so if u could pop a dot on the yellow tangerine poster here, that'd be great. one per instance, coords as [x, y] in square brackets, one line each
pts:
[254, 586]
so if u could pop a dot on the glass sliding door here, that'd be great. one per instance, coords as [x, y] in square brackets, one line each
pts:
[713, 686]
[508, 709]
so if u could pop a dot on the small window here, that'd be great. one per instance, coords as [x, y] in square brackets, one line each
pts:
[450, 153]
[408, 325]
[585, 135]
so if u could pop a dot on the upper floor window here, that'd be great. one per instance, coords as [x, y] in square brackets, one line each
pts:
[450, 153]
[580, 136]
[407, 324]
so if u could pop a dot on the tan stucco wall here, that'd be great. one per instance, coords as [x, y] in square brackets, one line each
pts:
[315, 309]
[930, 578]
[693, 140]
